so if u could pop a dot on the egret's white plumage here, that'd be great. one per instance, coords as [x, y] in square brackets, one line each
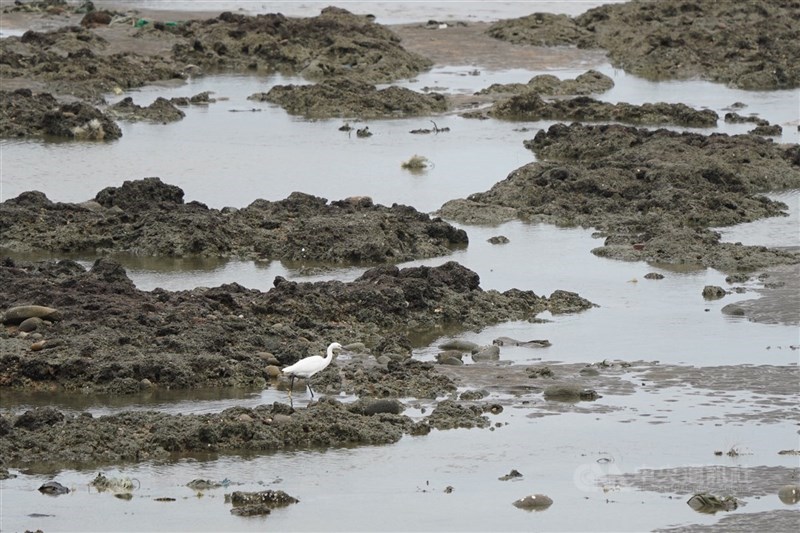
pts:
[307, 367]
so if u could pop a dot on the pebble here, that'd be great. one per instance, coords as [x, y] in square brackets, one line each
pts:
[511, 475]
[31, 324]
[36, 346]
[789, 494]
[273, 371]
[712, 292]
[487, 353]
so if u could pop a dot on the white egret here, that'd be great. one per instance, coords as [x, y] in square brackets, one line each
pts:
[307, 367]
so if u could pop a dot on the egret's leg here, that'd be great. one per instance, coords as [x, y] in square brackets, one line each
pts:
[310, 389]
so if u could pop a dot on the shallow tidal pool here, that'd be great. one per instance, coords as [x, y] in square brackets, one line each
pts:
[235, 151]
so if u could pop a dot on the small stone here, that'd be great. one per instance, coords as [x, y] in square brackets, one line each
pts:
[273, 371]
[447, 354]
[511, 475]
[472, 395]
[53, 488]
[535, 502]
[712, 292]
[789, 494]
[31, 324]
[653, 275]
[498, 239]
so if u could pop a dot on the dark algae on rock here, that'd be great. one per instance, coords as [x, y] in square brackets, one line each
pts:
[532, 107]
[99, 333]
[148, 217]
[342, 97]
[149, 435]
[334, 43]
[113, 337]
[653, 194]
[749, 44]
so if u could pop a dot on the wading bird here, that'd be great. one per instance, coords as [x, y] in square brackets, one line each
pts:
[305, 368]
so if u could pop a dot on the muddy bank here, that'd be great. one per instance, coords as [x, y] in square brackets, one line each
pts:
[716, 479]
[746, 44]
[161, 110]
[781, 520]
[149, 217]
[652, 194]
[779, 302]
[109, 336]
[349, 98]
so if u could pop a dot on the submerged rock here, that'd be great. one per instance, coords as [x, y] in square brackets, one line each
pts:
[789, 494]
[534, 502]
[53, 488]
[161, 110]
[712, 292]
[569, 393]
[336, 43]
[709, 503]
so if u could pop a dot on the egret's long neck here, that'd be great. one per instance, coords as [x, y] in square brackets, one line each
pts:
[330, 353]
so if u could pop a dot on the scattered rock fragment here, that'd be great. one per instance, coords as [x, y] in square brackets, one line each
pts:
[53, 488]
[514, 474]
[711, 504]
